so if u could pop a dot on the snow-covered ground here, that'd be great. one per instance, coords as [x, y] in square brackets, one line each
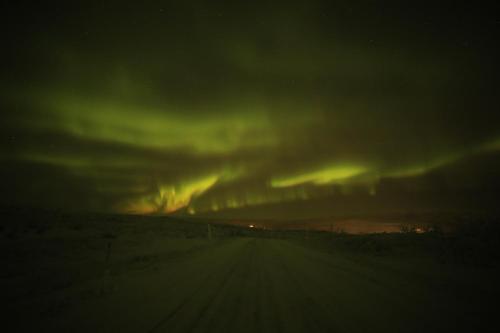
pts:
[149, 276]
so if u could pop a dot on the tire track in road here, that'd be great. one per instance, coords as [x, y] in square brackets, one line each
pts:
[309, 314]
[351, 294]
[221, 294]
[230, 297]
[136, 293]
[202, 295]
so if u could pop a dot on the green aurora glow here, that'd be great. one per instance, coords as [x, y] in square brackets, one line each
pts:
[204, 108]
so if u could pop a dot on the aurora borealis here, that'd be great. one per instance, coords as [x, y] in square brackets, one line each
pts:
[198, 107]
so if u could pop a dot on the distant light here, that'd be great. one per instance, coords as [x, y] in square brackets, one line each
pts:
[251, 226]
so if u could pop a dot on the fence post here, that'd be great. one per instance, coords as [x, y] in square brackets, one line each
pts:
[209, 229]
[108, 254]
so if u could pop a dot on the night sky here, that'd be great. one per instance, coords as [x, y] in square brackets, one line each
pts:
[286, 109]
